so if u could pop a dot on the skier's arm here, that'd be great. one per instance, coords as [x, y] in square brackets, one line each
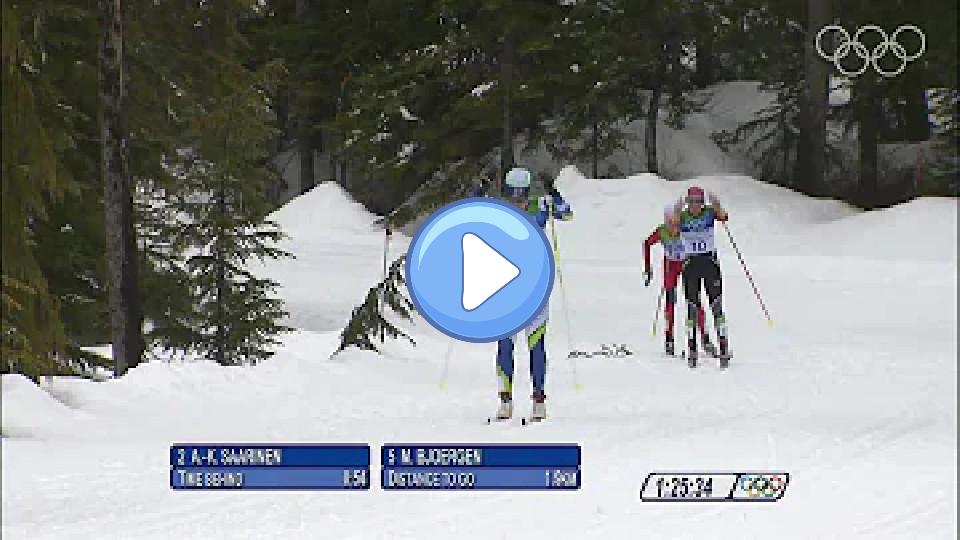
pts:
[718, 210]
[538, 207]
[561, 208]
[678, 206]
[651, 240]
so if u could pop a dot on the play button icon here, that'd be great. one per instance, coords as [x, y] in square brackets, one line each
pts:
[479, 270]
[484, 271]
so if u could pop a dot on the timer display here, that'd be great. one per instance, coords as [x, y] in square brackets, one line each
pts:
[743, 487]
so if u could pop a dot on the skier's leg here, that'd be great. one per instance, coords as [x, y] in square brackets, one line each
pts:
[671, 274]
[691, 290]
[704, 335]
[505, 367]
[536, 343]
[714, 285]
[505, 378]
[538, 360]
[671, 295]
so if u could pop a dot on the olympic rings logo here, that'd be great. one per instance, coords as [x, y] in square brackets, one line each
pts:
[762, 486]
[888, 44]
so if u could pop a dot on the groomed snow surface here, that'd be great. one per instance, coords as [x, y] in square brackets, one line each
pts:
[852, 390]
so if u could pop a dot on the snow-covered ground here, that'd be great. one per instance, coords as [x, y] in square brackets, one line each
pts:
[852, 390]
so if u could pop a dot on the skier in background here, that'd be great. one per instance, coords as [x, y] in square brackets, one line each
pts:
[701, 265]
[668, 235]
[480, 189]
[540, 209]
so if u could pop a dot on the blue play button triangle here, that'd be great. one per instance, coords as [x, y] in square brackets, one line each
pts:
[485, 271]
[479, 270]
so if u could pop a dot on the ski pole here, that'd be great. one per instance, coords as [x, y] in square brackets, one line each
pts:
[563, 298]
[386, 248]
[556, 246]
[747, 272]
[656, 316]
[566, 315]
[446, 366]
[386, 254]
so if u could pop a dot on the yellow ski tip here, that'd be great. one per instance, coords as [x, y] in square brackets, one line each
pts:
[769, 322]
[578, 386]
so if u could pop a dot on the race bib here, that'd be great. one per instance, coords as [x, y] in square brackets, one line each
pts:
[698, 242]
[697, 234]
[673, 249]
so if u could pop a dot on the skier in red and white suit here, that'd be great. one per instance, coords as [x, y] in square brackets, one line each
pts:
[667, 234]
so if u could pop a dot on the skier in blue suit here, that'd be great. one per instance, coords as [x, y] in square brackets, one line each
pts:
[540, 209]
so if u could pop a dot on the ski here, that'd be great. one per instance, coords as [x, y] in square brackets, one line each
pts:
[692, 360]
[524, 420]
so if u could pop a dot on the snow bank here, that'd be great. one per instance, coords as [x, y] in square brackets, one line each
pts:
[771, 220]
[30, 412]
[325, 210]
[921, 230]
[339, 255]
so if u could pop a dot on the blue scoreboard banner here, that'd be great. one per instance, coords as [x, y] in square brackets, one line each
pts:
[260, 466]
[489, 466]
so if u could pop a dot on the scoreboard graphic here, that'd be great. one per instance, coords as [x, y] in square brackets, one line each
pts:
[417, 467]
[504, 467]
[278, 467]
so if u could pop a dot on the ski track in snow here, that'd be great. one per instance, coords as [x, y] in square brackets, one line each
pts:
[852, 390]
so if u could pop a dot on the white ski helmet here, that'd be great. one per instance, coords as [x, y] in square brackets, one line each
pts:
[518, 177]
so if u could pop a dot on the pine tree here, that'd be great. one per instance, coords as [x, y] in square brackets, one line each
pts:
[31, 333]
[879, 103]
[772, 136]
[177, 60]
[223, 198]
[188, 66]
[367, 322]
[942, 176]
[628, 63]
[70, 241]
[167, 80]
[433, 107]
[590, 78]
[785, 138]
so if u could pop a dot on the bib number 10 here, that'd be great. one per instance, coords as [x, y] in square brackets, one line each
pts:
[698, 246]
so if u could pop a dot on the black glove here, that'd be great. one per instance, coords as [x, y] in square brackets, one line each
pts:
[647, 276]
